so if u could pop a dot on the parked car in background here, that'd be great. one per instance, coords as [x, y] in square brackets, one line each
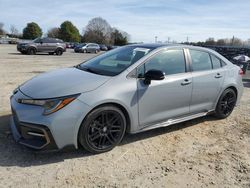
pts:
[110, 47]
[129, 89]
[47, 45]
[103, 47]
[87, 48]
[78, 48]
[242, 61]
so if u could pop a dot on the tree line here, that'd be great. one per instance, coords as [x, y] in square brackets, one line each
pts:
[234, 41]
[98, 30]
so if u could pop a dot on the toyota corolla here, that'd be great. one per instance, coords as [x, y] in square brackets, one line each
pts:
[129, 89]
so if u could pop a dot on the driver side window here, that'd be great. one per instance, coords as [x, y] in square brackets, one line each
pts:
[167, 61]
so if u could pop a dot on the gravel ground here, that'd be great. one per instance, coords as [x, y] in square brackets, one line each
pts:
[200, 153]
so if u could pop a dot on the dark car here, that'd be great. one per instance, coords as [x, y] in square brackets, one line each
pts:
[48, 45]
[78, 48]
[103, 47]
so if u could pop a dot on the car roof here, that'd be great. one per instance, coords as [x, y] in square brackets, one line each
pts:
[154, 45]
[162, 45]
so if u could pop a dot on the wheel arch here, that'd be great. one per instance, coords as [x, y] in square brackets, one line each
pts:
[121, 107]
[32, 47]
[233, 87]
[59, 48]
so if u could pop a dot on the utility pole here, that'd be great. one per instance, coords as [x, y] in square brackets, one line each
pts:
[233, 41]
[156, 39]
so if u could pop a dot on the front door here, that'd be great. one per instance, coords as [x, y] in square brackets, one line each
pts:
[165, 99]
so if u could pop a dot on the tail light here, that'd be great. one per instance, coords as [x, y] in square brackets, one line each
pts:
[241, 72]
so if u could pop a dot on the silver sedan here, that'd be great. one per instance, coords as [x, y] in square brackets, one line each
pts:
[129, 89]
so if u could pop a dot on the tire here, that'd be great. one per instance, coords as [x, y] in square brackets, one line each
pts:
[84, 51]
[96, 51]
[59, 51]
[31, 51]
[226, 104]
[102, 129]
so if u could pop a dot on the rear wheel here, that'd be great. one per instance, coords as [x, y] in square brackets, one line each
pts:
[226, 103]
[31, 51]
[102, 129]
[59, 51]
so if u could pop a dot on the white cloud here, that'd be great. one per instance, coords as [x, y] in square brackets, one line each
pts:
[143, 20]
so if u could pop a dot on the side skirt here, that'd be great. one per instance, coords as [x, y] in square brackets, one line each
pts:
[173, 121]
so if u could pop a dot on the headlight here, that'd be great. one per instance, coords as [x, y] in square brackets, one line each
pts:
[50, 105]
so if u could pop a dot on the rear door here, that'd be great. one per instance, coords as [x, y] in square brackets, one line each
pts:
[168, 98]
[90, 48]
[208, 76]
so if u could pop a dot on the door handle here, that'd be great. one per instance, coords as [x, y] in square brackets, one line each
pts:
[186, 82]
[218, 75]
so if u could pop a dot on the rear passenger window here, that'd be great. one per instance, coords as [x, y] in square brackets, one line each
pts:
[216, 62]
[200, 60]
[168, 61]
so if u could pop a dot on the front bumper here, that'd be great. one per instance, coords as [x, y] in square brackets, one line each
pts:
[21, 48]
[34, 136]
[55, 131]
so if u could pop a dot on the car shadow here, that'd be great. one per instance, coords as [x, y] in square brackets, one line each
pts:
[14, 154]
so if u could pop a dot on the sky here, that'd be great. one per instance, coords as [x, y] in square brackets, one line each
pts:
[142, 19]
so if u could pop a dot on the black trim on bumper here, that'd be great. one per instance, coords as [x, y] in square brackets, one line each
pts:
[37, 137]
[34, 136]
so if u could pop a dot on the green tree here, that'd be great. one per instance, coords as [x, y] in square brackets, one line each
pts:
[118, 38]
[32, 31]
[68, 32]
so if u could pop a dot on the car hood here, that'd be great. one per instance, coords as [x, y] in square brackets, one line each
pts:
[23, 43]
[62, 82]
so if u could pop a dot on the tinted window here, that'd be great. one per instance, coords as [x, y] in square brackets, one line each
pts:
[170, 62]
[216, 62]
[200, 60]
[37, 40]
[46, 40]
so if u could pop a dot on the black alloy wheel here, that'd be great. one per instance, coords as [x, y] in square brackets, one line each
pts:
[103, 129]
[226, 103]
[31, 51]
[59, 52]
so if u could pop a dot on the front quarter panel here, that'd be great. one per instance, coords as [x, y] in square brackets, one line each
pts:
[119, 90]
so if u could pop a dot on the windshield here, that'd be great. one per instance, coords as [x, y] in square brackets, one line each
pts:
[115, 61]
[81, 45]
[37, 40]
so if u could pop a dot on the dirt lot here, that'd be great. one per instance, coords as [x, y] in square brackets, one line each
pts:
[201, 153]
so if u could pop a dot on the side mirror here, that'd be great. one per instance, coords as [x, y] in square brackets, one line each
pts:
[153, 75]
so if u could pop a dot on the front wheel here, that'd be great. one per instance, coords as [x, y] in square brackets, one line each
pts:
[31, 51]
[59, 52]
[226, 104]
[102, 129]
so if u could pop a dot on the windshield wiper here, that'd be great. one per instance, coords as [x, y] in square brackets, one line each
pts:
[86, 69]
